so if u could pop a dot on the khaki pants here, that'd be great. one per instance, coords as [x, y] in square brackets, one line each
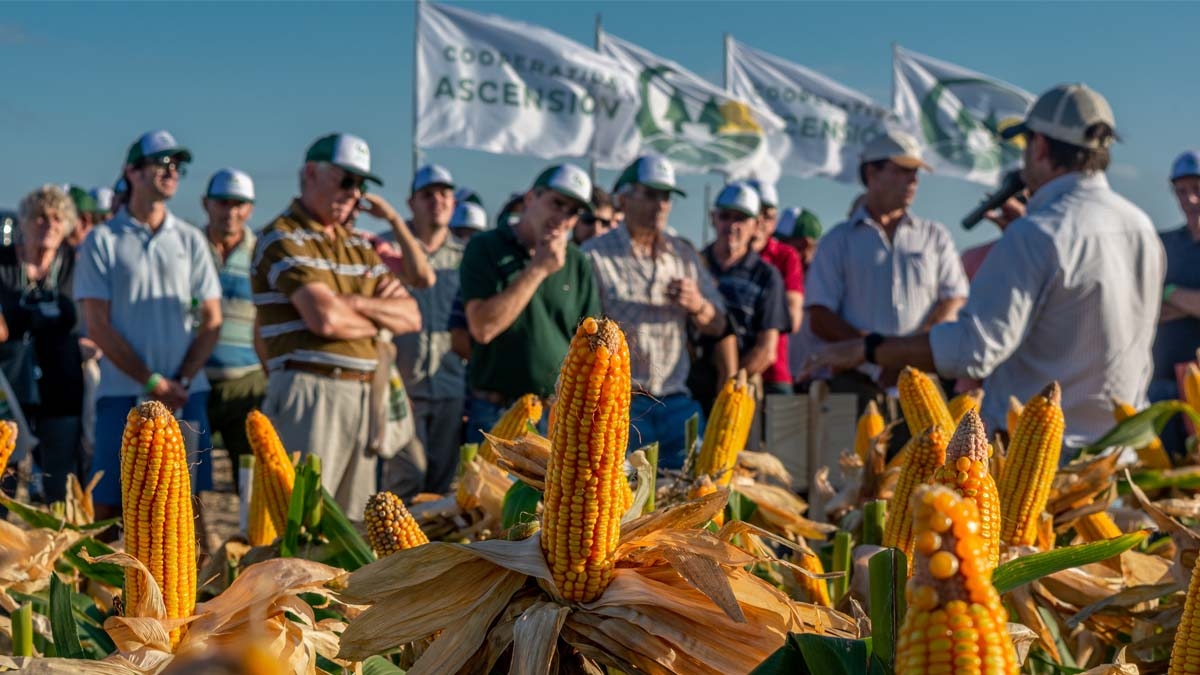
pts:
[328, 418]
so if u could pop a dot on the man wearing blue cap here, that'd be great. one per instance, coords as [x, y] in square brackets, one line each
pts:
[152, 303]
[237, 378]
[654, 284]
[1179, 323]
[753, 292]
[525, 287]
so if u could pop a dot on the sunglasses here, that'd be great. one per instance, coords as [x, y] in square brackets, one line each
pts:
[167, 164]
[351, 181]
[589, 219]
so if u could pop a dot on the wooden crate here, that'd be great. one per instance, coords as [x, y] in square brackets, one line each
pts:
[809, 431]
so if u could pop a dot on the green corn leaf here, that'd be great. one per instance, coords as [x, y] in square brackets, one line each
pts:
[1142, 428]
[22, 631]
[62, 620]
[888, 571]
[38, 518]
[841, 563]
[378, 665]
[1017, 573]
[874, 513]
[811, 654]
[351, 550]
[105, 573]
[520, 504]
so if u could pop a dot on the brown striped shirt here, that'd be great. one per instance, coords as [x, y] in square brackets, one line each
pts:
[294, 251]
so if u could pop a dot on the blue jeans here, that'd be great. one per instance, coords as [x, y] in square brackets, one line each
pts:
[482, 416]
[111, 412]
[662, 420]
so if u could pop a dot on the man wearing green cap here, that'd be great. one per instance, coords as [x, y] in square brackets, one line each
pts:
[800, 229]
[323, 296]
[654, 284]
[152, 303]
[525, 287]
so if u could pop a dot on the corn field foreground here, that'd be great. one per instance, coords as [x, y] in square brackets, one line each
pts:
[560, 555]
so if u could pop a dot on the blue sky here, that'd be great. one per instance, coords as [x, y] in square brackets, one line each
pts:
[250, 85]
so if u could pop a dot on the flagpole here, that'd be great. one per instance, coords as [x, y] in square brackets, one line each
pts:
[726, 77]
[704, 214]
[416, 150]
[592, 145]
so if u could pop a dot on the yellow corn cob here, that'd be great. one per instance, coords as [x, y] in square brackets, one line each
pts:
[526, 410]
[955, 622]
[1030, 466]
[922, 403]
[869, 426]
[581, 522]
[156, 498]
[260, 530]
[727, 430]
[926, 452]
[1152, 454]
[8, 442]
[703, 487]
[390, 527]
[1097, 527]
[815, 591]
[272, 461]
[626, 496]
[1191, 386]
[1015, 408]
[968, 400]
[966, 472]
[1185, 653]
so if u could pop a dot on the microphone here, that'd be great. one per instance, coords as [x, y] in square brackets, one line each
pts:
[1011, 185]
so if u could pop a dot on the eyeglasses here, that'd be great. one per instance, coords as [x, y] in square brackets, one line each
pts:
[167, 164]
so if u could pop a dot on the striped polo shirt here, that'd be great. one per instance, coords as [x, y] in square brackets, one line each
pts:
[234, 355]
[294, 251]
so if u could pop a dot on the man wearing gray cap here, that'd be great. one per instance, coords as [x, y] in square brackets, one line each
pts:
[884, 270]
[1070, 293]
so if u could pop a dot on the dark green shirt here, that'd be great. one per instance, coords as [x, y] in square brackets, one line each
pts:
[525, 358]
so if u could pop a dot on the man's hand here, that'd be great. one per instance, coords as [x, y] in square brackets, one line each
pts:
[1171, 312]
[837, 356]
[171, 393]
[685, 292]
[550, 254]
[380, 208]
[1008, 212]
[389, 287]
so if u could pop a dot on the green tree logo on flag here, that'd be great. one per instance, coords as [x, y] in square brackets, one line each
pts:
[970, 139]
[691, 131]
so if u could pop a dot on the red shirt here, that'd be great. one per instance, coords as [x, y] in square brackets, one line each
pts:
[787, 260]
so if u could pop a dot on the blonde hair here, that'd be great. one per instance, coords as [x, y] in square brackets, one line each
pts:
[49, 198]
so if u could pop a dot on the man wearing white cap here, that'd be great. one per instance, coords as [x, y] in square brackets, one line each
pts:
[469, 219]
[753, 292]
[885, 270]
[323, 296]
[777, 379]
[237, 378]
[654, 284]
[152, 303]
[1069, 294]
[1179, 323]
[525, 287]
[432, 373]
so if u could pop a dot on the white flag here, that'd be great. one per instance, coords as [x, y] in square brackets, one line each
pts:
[488, 83]
[695, 124]
[827, 123]
[959, 114]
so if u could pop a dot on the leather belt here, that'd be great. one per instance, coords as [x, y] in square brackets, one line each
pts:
[333, 372]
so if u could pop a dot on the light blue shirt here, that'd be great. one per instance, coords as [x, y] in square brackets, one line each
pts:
[882, 286]
[151, 281]
[1070, 293]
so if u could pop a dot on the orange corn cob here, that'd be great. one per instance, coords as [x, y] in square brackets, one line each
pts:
[390, 527]
[966, 472]
[1152, 454]
[525, 411]
[581, 522]
[922, 402]
[1185, 652]
[727, 431]
[260, 529]
[1097, 527]
[1030, 466]
[816, 591]
[156, 498]
[1015, 408]
[8, 442]
[926, 453]
[272, 461]
[968, 400]
[870, 425]
[955, 622]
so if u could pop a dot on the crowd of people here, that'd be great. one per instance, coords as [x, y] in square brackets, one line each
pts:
[382, 354]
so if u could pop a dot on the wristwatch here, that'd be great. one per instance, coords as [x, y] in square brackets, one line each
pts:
[185, 382]
[870, 342]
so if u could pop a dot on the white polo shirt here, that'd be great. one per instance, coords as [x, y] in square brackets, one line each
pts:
[152, 281]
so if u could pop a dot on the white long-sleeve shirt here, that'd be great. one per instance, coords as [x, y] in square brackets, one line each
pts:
[1070, 293]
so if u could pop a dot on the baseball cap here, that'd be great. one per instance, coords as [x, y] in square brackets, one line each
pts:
[767, 193]
[652, 171]
[83, 201]
[740, 197]
[508, 214]
[797, 222]
[1064, 113]
[469, 215]
[230, 184]
[897, 146]
[103, 197]
[155, 144]
[344, 151]
[1186, 164]
[567, 180]
[121, 187]
[431, 174]
[466, 194]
